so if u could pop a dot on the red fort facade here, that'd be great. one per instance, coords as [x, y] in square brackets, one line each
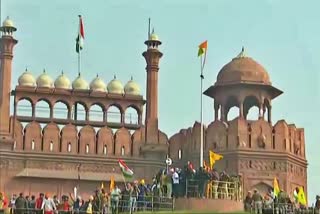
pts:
[54, 153]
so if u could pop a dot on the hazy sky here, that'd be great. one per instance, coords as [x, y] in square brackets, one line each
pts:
[283, 36]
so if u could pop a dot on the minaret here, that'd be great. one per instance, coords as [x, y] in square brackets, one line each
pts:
[7, 42]
[152, 56]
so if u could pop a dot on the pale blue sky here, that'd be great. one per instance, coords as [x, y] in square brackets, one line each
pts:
[283, 36]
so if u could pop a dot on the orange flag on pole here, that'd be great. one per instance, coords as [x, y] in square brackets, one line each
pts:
[203, 48]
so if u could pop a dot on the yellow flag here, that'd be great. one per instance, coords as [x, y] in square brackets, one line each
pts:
[301, 197]
[213, 158]
[276, 188]
[111, 183]
[102, 185]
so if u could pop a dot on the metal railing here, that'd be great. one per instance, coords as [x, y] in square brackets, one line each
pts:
[280, 208]
[214, 189]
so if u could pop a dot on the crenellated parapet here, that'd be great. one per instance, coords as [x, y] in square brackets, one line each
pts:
[239, 134]
[70, 140]
[87, 140]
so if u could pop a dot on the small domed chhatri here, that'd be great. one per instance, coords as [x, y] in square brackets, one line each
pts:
[98, 85]
[154, 37]
[243, 69]
[27, 79]
[62, 82]
[115, 86]
[132, 88]
[7, 22]
[80, 84]
[44, 80]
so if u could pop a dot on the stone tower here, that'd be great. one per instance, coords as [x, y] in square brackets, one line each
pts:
[7, 42]
[152, 147]
[254, 148]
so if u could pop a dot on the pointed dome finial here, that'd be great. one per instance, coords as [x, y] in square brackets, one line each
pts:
[26, 69]
[131, 78]
[152, 30]
[97, 75]
[44, 70]
[242, 54]
[114, 77]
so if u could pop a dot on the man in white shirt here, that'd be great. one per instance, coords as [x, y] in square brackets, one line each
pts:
[48, 205]
[175, 183]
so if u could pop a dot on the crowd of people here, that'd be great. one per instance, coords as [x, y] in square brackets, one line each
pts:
[282, 203]
[135, 196]
[167, 184]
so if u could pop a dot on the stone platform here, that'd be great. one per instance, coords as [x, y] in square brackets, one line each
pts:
[216, 205]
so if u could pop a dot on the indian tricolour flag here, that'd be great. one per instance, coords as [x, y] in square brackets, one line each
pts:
[126, 171]
[80, 37]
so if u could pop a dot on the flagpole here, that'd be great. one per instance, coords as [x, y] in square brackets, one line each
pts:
[79, 63]
[201, 113]
[79, 55]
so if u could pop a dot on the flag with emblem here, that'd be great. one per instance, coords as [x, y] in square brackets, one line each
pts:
[80, 37]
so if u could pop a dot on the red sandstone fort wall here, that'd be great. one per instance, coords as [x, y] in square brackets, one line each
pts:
[254, 149]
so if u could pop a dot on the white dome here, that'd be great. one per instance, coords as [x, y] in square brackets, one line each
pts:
[98, 85]
[44, 80]
[80, 84]
[115, 86]
[62, 82]
[132, 88]
[27, 79]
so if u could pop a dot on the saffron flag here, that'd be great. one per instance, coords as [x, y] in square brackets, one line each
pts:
[276, 188]
[301, 197]
[80, 37]
[111, 184]
[102, 185]
[126, 171]
[202, 48]
[213, 158]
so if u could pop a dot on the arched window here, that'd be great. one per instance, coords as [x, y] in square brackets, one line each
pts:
[24, 108]
[131, 116]
[78, 112]
[105, 150]
[69, 147]
[42, 109]
[87, 148]
[32, 145]
[60, 110]
[179, 154]
[122, 151]
[113, 114]
[250, 164]
[96, 113]
[51, 146]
